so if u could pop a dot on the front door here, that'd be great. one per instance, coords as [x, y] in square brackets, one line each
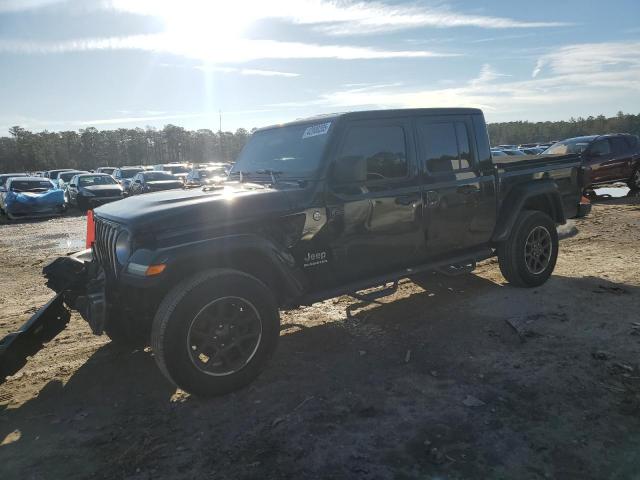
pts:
[374, 200]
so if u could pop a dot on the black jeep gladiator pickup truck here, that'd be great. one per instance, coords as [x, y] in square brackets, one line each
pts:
[312, 209]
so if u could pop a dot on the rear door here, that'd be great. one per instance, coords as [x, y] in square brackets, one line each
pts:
[375, 224]
[622, 157]
[458, 195]
[602, 162]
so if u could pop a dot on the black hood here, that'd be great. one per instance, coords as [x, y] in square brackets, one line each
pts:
[101, 188]
[231, 203]
[164, 184]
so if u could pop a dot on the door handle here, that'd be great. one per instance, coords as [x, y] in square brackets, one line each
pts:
[433, 199]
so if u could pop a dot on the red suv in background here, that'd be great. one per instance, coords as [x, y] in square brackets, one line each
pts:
[608, 158]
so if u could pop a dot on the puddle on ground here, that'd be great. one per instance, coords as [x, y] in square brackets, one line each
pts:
[71, 244]
[612, 192]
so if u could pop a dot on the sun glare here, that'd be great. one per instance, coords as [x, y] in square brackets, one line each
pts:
[195, 21]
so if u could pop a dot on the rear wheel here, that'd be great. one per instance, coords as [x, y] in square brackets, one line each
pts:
[527, 258]
[634, 181]
[215, 332]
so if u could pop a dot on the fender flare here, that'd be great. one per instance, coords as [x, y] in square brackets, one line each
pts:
[201, 252]
[514, 203]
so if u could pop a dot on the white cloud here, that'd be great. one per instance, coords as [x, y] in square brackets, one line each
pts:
[332, 17]
[573, 83]
[590, 58]
[487, 75]
[241, 50]
[21, 5]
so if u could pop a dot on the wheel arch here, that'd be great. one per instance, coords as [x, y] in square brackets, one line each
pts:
[542, 196]
[251, 254]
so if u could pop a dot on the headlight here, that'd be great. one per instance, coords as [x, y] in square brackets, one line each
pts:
[123, 247]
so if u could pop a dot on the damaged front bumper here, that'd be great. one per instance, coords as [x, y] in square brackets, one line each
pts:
[79, 283]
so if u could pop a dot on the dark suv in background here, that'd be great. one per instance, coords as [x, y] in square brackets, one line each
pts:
[607, 158]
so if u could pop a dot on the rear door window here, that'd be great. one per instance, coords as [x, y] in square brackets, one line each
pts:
[619, 145]
[445, 146]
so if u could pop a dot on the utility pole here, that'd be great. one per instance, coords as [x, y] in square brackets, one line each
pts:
[221, 136]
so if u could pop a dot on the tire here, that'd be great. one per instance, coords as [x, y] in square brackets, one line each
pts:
[634, 181]
[523, 269]
[183, 315]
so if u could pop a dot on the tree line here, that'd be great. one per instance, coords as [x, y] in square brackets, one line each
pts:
[516, 133]
[90, 148]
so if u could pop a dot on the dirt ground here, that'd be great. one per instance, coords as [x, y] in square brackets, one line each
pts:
[452, 378]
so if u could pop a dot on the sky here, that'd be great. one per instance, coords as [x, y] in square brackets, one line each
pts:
[71, 64]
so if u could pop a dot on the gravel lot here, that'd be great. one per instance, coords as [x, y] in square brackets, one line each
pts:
[451, 378]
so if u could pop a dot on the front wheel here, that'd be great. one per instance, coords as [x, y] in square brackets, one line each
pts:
[634, 181]
[527, 258]
[215, 332]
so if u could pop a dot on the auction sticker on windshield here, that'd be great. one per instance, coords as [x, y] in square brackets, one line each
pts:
[315, 130]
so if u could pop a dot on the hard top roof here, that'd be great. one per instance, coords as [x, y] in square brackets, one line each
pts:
[375, 114]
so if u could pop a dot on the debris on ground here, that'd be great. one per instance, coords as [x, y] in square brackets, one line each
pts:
[436, 456]
[471, 401]
[601, 355]
[407, 357]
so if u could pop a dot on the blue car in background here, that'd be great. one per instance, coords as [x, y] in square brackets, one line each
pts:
[31, 197]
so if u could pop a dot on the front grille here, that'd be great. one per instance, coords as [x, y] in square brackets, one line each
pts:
[108, 193]
[104, 246]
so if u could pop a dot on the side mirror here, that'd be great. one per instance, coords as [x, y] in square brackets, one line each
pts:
[73, 185]
[351, 169]
[138, 181]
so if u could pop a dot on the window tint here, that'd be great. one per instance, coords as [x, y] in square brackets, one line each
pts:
[446, 146]
[619, 145]
[601, 147]
[382, 149]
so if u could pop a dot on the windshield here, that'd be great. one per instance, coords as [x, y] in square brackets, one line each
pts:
[176, 169]
[514, 153]
[130, 172]
[293, 151]
[4, 178]
[30, 185]
[568, 146]
[95, 180]
[66, 176]
[158, 176]
[108, 170]
[54, 175]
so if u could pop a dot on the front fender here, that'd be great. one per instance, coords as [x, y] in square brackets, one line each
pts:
[219, 251]
[516, 200]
